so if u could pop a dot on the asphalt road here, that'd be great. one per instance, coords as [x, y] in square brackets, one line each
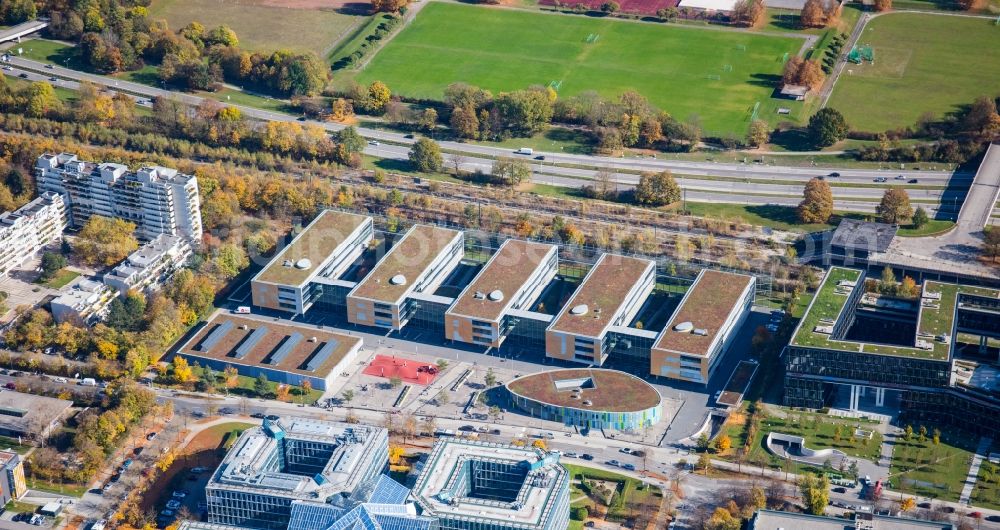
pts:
[730, 183]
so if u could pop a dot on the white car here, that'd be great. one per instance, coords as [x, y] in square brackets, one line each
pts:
[173, 505]
[373, 142]
[62, 380]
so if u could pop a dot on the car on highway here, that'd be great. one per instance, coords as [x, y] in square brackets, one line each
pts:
[62, 380]
[880, 179]
[571, 454]
[226, 411]
[834, 174]
[373, 142]
[912, 181]
[628, 467]
[586, 456]
[23, 75]
[540, 157]
[258, 415]
[626, 450]
[900, 177]
[49, 66]
[54, 79]
[614, 463]
[7, 68]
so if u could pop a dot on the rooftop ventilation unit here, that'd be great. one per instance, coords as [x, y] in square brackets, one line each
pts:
[496, 295]
[312, 339]
[479, 295]
[286, 263]
[684, 327]
[303, 264]
[587, 403]
[244, 327]
[700, 331]
[398, 279]
[579, 309]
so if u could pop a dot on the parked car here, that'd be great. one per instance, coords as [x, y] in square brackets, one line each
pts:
[173, 505]
[167, 513]
[626, 450]
[840, 490]
[179, 494]
[467, 428]
[9, 386]
[62, 380]
[226, 411]
[495, 432]
[258, 415]
[586, 456]
[150, 436]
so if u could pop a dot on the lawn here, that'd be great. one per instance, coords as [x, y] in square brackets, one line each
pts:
[51, 51]
[262, 27]
[933, 227]
[987, 491]
[819, 431]
[926, 62]
[61, 279]
[935, 471]
[629, 490]
[716, 76]
[769, 215]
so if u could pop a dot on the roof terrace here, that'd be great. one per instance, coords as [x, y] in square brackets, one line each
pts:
[935, 320]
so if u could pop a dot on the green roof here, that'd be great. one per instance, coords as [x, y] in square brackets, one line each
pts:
[315, 243]
[936, 317]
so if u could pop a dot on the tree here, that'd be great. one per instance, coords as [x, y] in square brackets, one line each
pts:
[759, 134]
[827, 127]
[748, 13]
[908, 433]
[815, 493]
[812, 15]
[347, 396]
[378, 97]
[895, 206]
[936, 437]
[704, 462]
[580, 513]
[883, 5]
[261, 386]
[758, 498]
[657, 189]
[41, 99]
[125, 313]
[510, 172]
[722, 443]
[920, 217]
[231, 376]
[464, 122]
[182, 370]
[425, 155]
[52, 263]
[991, 242]
[229, 260]
[442, 398]
[442, 364]
[610, 7]
[428, 119]
[104, 241]
[394, 382]
[522, 112]
[490, 378]
[703, 443]
[817, 202]
[722, 519]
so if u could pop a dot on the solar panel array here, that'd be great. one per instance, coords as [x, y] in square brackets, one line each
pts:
[250, 342]
[322, 355]
[290, 343]
[216, 335]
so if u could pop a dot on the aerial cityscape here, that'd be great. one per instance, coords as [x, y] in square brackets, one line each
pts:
[500, 264]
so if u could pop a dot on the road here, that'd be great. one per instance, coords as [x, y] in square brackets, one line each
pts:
[746, 183]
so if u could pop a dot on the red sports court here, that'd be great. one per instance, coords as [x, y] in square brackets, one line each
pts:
[407, 370]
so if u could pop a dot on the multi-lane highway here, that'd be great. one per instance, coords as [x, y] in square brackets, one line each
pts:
[854, 189]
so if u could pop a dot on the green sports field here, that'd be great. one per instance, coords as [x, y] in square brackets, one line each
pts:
[502, 49]
[923, 62]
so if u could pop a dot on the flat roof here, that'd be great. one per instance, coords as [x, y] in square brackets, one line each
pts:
[775, 520]
[249, 464]
[938, 304]
[607, 390]
[410, 257]
[315, 243]
[287, 347]
[25, 412]
[535, 504]
[863, 235]
[603, 291]
[706, 305]
[507, 270]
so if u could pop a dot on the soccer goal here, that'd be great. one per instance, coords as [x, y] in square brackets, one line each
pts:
[554, 85]
[756, 109]
[592, 38]
[727, 68]
[713, 77]
[741, 47]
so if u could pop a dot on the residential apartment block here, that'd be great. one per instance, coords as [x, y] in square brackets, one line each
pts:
[28, 229]
[85, 303]
[703, 327]
[610, 295]
[298, 275]
[417, 264]
[148, 268]
[158, 200]
[511, 280]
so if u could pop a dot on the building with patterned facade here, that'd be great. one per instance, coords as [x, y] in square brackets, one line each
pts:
[27, 230]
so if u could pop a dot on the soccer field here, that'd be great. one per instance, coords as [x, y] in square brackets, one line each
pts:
[716, 75]
[923, 63]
